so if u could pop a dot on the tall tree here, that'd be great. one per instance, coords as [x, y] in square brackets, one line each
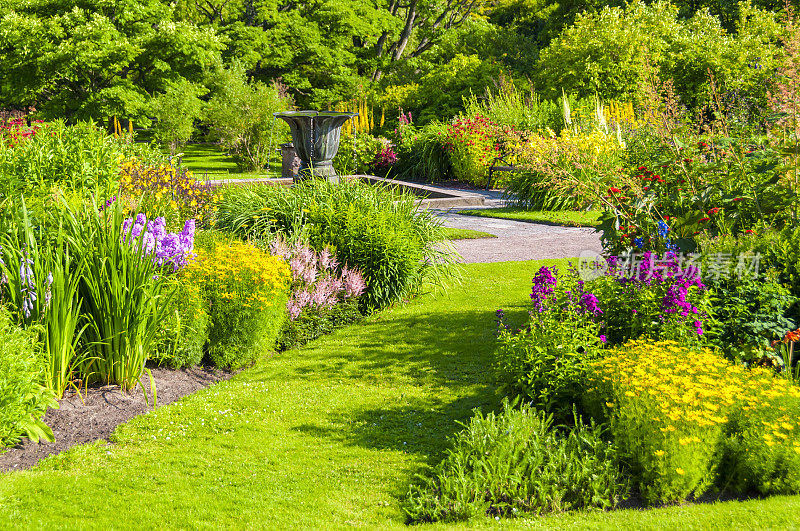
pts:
[95, 58]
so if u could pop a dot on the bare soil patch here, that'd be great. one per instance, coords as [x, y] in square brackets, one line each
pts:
[101, 409]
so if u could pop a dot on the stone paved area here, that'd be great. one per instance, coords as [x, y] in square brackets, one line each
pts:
[517, 240]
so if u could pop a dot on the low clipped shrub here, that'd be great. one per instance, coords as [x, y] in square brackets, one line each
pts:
[246, 292]
[393, 242]
[686, 420]
[184, 330]
[514, 463]
[23, 400]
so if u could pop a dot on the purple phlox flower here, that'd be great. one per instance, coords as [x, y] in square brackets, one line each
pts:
[603, 338]
[544, 283]
[590, 304]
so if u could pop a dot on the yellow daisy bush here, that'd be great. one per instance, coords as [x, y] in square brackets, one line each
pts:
[246, 291]
[678, 413]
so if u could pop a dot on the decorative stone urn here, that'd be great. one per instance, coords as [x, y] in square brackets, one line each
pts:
[315, 135]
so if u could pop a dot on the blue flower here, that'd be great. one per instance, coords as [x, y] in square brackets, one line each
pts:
[663, 229]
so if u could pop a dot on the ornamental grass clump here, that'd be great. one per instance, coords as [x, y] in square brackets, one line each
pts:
[39, 281]
[686, 420]
[246, 291]
[122, 290]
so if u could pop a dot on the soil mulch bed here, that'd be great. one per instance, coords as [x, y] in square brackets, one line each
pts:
[103, 409]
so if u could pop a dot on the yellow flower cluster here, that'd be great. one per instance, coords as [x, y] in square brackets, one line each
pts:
[167, 187]
[240, 273]
[621, 113]
[671, 405]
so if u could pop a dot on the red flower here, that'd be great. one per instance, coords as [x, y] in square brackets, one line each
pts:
[666, 218]
[701, 220]
[749, 231]
[614, 190]
[641, 168]
[713, 211]
[738, 198]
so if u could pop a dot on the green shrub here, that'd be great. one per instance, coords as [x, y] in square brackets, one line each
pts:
[184, 330]
[395, 244]
[239, 115]
[23, 400]
[246, 293]
[357, 158]
[511, 107]
[512, 463]
[544, 361]
[79, 158]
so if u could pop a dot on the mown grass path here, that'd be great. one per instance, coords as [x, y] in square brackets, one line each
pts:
[326, 436]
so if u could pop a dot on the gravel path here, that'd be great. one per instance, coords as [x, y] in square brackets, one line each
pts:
[517, 240]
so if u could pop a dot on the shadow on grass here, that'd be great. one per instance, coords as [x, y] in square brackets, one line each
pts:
[438, 348]
[447, 353]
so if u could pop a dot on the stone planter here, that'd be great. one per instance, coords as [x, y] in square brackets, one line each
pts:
[315, 135]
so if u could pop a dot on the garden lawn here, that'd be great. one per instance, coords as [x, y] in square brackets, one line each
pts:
[325, 436]
[210, 159]
[452, 233]
[566, 217]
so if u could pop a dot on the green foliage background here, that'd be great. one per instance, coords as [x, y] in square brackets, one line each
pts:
[94, 59]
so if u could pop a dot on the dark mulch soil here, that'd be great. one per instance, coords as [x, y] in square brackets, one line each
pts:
[103, 409]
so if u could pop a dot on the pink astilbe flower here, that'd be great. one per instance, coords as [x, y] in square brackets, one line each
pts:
[317, 279]
[354, 284]
[309, 274]
[327, 260]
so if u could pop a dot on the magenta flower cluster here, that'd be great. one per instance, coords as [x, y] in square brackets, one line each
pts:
[665, 273]
[544, 294]
[166, 248]
[318, 281]
[385, 158]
